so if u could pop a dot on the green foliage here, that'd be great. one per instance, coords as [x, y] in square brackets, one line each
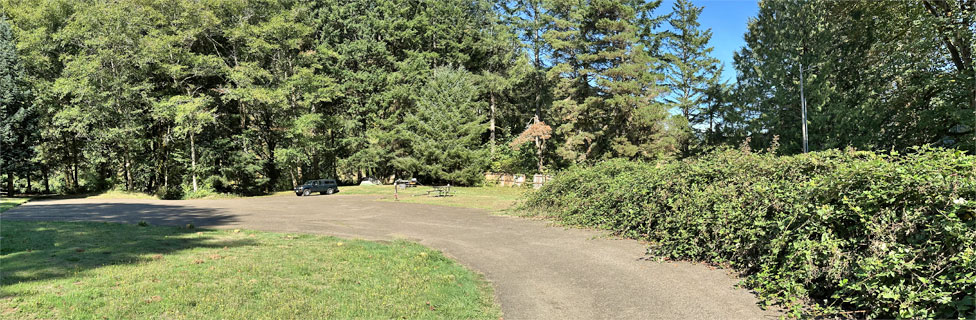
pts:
[257, 95]
[17, 120]
[242, 175]
[605, 87]
[691, 72]
[882, 235]
[878, 75]
[205, 190]
[511, 160]
[169, 193]
[444, 135]
[385, 52]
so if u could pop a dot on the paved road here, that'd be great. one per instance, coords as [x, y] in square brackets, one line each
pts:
[538, 271]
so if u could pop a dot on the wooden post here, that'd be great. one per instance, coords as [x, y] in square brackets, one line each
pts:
[537, 181]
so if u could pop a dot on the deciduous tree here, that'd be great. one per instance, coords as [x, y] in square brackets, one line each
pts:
[17, 125]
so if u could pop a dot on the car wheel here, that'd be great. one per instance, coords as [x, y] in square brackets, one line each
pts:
[306, 192]
[329, 191]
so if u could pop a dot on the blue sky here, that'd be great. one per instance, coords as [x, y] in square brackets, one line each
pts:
[727, 19]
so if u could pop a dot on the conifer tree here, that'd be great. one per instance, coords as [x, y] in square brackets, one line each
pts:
[691, 70]
[607, 88]
[444, 134]
[531, 20]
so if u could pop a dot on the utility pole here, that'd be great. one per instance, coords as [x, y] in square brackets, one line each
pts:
[803, 105]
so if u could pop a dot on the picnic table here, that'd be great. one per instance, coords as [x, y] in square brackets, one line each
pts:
[440, 191]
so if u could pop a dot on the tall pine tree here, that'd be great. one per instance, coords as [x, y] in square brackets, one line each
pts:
[606, 89]
[444, 135]
[691, 70]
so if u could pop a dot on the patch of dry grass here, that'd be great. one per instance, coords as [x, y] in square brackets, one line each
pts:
[493, 199]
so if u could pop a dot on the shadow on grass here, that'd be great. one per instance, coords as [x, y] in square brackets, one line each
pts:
[4, 206]
[155, 214]
[37, 251]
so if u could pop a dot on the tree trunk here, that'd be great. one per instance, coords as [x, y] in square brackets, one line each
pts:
[538, 153]
[539, 145]
[128, 172]
[538, 63]
[492, 123]
[273, 173]
[243, 123]
[538, 104]
[67, 177]
[28, 181]
[959, 46]
[165, 160]
[193, 162]
[301, 176]
[294, 184]
[47, 185]
[333, 166]
[74, 173]
[316, 165]
[10, 184]
[73, 169]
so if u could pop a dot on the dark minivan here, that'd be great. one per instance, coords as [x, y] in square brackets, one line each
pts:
[322, 186]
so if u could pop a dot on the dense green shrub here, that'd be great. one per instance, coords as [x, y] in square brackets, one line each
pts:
[203, 191]
[827, 233]
[170, 193]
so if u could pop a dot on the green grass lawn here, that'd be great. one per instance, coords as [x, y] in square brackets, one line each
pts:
[489, 198]
[118, 271]
[6, 203]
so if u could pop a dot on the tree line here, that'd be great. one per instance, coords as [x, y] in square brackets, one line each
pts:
[248, 97]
